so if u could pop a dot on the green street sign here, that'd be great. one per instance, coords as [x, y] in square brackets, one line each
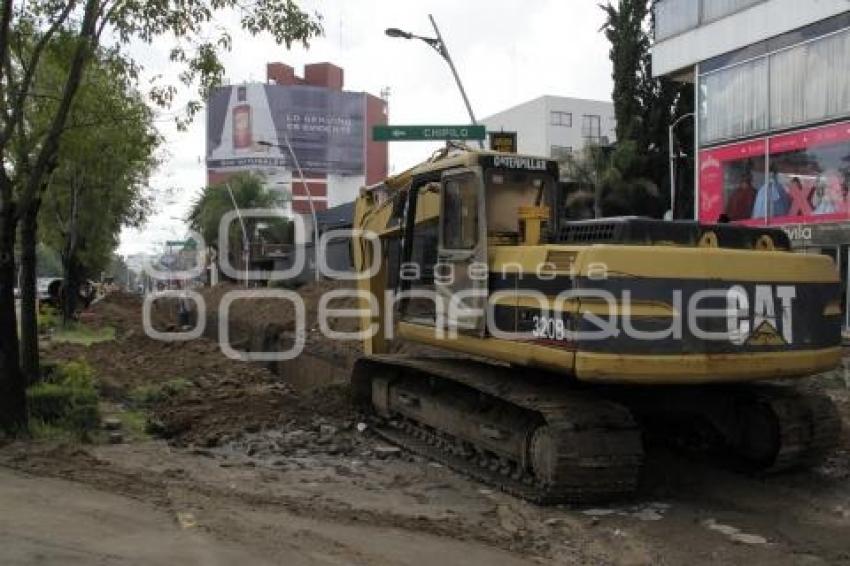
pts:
[186, 244]
[427, 133]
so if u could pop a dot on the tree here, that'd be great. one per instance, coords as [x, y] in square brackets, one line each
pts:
[629, 43]
[644, 106]
[214, 202]
[30, 154]
[100, 182]
[606, 184]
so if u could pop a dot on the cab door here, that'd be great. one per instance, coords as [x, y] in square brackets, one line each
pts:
[461, 275]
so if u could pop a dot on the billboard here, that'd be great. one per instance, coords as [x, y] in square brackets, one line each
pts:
[795, 178]
[247, 126]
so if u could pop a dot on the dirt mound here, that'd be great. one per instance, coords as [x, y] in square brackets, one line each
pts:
[192, 389]
[253, 315]
[259, 321]
[219, 409]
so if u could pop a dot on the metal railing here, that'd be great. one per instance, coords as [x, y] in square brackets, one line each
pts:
[673, 17]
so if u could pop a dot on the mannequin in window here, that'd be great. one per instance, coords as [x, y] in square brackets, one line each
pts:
[740, 203]
[834, 196]
[818, 195]
[825, 203]
[773, 192]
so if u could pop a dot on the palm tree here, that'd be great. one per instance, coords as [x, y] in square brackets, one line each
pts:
[604, 176]
[248, 191]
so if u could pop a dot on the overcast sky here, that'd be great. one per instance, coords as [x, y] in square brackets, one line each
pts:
[506, 51]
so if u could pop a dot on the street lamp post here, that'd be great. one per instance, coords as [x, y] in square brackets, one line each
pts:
[245, 250]
[670, 133]
[288, 147]
[440, 47]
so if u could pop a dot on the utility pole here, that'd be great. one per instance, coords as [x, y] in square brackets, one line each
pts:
[246, 255]
[288, 147]
[439, 45]
[670, 140]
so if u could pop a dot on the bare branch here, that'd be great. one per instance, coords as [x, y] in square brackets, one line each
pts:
[105, 14]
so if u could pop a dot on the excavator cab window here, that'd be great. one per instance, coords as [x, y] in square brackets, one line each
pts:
[460, 207]
[460, 273]
[508, 190]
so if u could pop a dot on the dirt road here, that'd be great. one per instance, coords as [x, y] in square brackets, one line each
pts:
[255, 469]
[48, 521]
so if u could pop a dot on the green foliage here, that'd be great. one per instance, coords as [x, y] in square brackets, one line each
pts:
[101, 180]
[76, 373]
[148, 395]
[49, 432]
[67, 401]
[249, 191]
[48, 319]
[644, 107]
[76, 333]
[134, 423]
[624, 28]
[608, 185]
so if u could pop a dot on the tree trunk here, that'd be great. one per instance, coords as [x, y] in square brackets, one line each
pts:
[71, 287]
[36, 181]
[70, 264]
[13, 400]
[29, 289]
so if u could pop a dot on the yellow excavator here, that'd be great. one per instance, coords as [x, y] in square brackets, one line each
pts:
[545, 348]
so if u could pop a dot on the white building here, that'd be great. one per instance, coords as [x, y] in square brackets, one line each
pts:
[553, 126]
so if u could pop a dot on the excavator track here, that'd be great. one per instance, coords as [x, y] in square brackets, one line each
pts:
[541, 440]
[763, 428]
[808, 427]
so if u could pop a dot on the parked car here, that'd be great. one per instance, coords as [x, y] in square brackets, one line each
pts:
[43, 287]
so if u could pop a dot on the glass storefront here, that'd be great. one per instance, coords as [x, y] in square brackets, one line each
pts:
[801, 177]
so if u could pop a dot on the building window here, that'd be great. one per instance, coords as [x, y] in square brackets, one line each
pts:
[560, 152]
[733, 102]
[591, 128]
[801, 85]
[810, 82]
[675, 16]
[557, 118]
[716, 9]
